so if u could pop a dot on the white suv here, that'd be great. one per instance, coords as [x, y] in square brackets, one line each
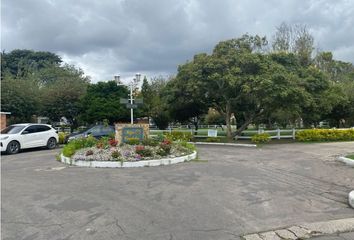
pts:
[27, 135]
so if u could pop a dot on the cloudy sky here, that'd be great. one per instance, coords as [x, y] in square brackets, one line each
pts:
[110, 37]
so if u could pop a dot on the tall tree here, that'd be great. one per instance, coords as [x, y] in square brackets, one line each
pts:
[102, 101]
[186, 95]
[20, 96]
[19, 62]
[294, 39]
[61, 90]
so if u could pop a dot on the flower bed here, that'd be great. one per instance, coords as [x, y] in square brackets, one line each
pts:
[90, 149]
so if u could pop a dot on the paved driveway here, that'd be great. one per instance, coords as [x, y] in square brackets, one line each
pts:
[230, 192]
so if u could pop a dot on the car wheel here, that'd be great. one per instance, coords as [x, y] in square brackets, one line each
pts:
[52, 143]
[13, 147]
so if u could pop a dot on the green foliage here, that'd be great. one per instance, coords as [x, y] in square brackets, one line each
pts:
[145, 152]
[20, 62]
[179, 136]
[350, 156]
[159, 137]
[325, 135]
[213, 139]
[116, 154]
[20, 96]
[190, 146]
[62, 136]
[102, 101]
[155, 104]
[166, 147]
[133, 141]
[70, 148]
[150, 142]
[103, 142]
[260, 138]
[161, 152]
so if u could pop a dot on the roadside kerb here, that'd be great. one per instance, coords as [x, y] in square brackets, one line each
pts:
[118, 164]
[347, 161]
[225, 144]
[307, 230]
[351, 199]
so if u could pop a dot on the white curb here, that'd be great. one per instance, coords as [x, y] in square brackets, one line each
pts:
[118, 164]
[348, 161]
[225, 144]
[351, 199]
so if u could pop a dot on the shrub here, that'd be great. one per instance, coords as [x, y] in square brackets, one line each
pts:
[133, 141]
[116, 154]
[260, 138]
[179, 136]
[161, 152]
[159, 137]
[144, 152]
[69, 150]
[213, 139]
[166, 146]
[62, 136]
[79, 143]
[325, 135]
[190, 146]
[150, 142]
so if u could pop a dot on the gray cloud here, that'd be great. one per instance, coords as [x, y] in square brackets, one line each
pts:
[152, 37]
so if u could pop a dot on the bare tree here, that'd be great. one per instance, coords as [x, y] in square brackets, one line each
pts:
[295, 39]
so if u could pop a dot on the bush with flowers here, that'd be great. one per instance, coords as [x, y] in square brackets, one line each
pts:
[109, 149]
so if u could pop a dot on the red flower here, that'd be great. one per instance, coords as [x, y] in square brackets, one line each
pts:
[113, 142]
[166, 142]
[139, 148]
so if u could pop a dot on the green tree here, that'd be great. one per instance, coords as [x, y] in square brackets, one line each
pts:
[19, 62]
[20, 96]
[61, 91]
[186, 95]
[102, 101]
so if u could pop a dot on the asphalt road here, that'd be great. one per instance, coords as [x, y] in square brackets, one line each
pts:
[232, 191]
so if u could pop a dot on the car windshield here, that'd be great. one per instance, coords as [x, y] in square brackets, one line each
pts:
[12, 129]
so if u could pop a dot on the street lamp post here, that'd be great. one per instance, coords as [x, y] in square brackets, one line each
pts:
[132, 85]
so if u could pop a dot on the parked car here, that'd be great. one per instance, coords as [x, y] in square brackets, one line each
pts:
[97, 131]
[27, 135]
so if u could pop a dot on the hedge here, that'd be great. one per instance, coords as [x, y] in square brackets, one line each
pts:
[323, 135]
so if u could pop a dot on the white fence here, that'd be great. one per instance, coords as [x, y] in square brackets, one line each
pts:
[279, 133]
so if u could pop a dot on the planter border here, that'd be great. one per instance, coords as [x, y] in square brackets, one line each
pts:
[118, 164]
[351, 199]
[225, 144]
[347, 161]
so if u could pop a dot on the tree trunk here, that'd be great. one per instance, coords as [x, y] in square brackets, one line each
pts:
[228, 123]
[243, 127]
[196, 125]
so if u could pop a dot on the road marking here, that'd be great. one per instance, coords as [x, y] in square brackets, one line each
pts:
[50, 169]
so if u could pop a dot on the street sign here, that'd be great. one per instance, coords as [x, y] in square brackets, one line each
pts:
[132, 133]
[124, 101]
[138, 101]
[131, 106]
[212, 133]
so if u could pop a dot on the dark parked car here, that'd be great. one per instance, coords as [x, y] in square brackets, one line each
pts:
[97, 131]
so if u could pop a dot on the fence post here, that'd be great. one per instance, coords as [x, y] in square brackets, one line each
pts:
[278, 133]
[293, 133]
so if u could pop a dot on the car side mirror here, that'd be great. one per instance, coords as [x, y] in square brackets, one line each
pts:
[25, 132]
